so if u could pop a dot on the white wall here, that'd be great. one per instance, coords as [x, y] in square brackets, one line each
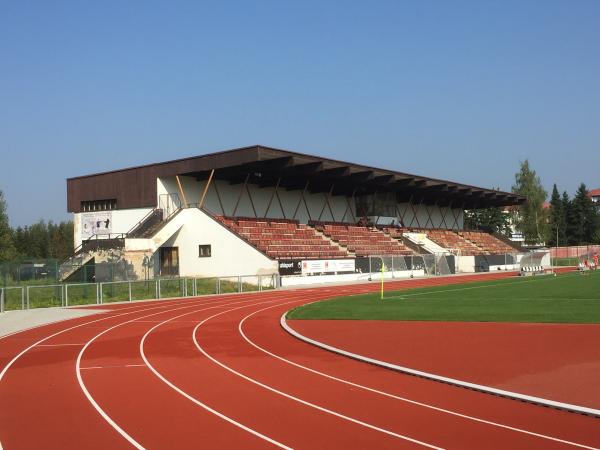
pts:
[231, 256]
[122, 221]
[289, 199]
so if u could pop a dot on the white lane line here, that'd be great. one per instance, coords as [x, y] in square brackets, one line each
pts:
[299, 400]
[447, 411]
[195, 400]
[83, 387]
[113, 367]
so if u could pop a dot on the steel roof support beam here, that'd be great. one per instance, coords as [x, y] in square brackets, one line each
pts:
[271, 199]
[240, 196]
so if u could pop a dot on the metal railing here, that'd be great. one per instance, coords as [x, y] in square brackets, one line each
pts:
[74, 294]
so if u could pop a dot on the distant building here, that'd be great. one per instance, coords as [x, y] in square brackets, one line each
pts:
[594, 194]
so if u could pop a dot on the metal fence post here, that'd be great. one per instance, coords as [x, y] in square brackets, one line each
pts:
[22, 297]
[129, 289]
[158, 288]
[101, 294]
[260, 283]
[66, 295]
[1, 300]
[27, 297]
[218, 285]
[239, 284]
[195, 287]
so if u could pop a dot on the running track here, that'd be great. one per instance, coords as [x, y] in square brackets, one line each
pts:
[219, 372]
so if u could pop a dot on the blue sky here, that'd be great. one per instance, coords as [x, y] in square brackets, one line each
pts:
[454, 90]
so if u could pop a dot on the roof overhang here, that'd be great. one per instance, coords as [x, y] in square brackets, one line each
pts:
[267, 166]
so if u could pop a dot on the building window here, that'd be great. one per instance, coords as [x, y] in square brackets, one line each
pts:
[98, 205]
[204, 251]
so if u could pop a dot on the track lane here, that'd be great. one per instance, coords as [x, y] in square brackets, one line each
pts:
[160, 417]
[287, 421]
[41, 387]
[498, 411]
[345, 379]
[57, 354]
[380, 410]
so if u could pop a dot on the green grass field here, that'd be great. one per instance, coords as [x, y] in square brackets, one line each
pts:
[567, 298]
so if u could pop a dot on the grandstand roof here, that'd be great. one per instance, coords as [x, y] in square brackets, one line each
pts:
[136, 186]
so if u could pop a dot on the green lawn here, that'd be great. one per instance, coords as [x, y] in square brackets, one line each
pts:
[567, 298]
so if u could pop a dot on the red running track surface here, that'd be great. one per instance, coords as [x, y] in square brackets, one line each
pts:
[559, 362]
[219, 372]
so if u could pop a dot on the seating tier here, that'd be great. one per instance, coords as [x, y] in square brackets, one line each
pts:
[453, 241]
[284, 239]
[487, 242]
[363, 241]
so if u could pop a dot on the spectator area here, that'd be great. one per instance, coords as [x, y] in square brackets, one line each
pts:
[489, 243]
[284, 239]
[362, 240]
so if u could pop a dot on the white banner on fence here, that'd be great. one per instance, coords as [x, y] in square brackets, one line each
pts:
[313, 266]
[96, 223]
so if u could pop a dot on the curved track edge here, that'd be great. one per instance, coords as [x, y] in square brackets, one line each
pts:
[439, 378]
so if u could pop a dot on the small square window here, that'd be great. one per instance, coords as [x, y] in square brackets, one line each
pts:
[204, 251]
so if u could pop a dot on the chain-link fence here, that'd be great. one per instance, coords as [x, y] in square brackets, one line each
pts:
[52, 271]
[569, 256]
[436, 264]
[72, 294]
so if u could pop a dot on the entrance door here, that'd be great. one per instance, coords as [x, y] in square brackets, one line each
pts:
[169, 261]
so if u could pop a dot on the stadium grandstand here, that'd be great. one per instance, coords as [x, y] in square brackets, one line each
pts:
[261, 210]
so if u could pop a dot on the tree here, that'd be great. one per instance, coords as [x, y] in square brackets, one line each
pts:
[584, 217]
[7, 249]
[532, 218]
[490, 219]
[569, 220]
[44, 240]
[558, 220]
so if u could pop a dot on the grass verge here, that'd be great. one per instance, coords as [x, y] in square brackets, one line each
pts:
[567, 298]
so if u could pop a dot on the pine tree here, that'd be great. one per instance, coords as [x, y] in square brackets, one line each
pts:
[7, 248]
[532, 218]
[558, 221]
[584, 217]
